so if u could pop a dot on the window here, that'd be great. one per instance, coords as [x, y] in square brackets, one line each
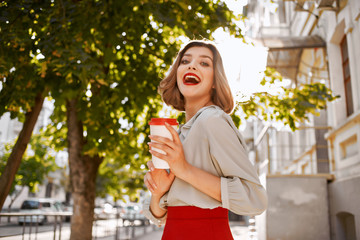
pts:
[30, 205]
[349, 147]
[46, 204]
[347, 77]
[49, 188]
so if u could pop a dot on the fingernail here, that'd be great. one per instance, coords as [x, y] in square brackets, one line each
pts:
[167, 124]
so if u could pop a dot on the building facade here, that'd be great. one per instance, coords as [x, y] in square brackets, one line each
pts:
[313, 174]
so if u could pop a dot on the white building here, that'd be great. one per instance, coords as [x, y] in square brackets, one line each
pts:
[313, 174]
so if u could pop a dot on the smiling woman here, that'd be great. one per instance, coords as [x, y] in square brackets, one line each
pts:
[210, 172]
[195, 75]
[197, 58]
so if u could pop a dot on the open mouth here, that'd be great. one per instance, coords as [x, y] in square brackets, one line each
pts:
[191, 79]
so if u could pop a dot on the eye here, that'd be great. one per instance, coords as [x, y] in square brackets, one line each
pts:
[205, 64]
[184, 61]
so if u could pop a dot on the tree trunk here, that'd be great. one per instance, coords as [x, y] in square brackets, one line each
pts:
[13, 163]
[83, 170]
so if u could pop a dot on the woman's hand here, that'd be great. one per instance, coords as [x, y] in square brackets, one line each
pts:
[158, 181]
[174, 153]
[175, 157]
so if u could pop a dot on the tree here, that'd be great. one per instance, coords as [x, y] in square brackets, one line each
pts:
[34, 167]
[107, 57]
[291, 106]
[119, 182]
[23, 77]
[14, 160]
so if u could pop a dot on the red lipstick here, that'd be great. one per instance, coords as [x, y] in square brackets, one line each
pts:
[191, 79]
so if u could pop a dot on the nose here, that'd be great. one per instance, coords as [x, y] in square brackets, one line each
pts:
[192, 66]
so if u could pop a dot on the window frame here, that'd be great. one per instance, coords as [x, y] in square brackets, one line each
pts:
[347, 76]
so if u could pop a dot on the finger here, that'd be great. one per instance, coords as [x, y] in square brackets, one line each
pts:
[159, 155]
[166, 141]
[150, 181]
[147, 184]
[160, 146]
[171, 176]
[163, 140]
[173, 132]
[150, 165]
[151, 189]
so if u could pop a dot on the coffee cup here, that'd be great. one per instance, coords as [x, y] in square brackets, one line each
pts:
[158, 128]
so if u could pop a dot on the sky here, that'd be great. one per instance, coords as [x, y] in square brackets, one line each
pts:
[244, 63]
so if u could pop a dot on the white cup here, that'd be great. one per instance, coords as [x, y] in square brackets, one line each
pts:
[157, 127]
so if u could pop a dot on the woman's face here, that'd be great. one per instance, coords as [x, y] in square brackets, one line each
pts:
[195, 74]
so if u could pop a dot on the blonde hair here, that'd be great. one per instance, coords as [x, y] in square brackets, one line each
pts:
[221, 95]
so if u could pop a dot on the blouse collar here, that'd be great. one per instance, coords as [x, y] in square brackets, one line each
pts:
[185, 128]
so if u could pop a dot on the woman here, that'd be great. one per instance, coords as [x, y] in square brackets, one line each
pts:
[209, 169]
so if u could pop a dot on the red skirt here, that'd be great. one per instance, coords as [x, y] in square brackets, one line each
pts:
[190, 223]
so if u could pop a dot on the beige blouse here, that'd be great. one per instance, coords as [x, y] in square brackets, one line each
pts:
[213, 143]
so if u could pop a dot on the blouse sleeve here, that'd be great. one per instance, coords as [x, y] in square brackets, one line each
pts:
[148, 214]
[241, 191]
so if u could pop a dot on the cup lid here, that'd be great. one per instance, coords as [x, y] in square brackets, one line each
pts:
[162, 121]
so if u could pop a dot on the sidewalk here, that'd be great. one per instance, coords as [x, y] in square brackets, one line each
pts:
[105, 230]
[239, 232]
[154, 235]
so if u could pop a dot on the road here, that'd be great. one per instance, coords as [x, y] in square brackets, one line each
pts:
[239, 233]
[102, 230]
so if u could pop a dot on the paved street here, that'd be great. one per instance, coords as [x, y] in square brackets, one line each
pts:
[238, 232]
[102, 230]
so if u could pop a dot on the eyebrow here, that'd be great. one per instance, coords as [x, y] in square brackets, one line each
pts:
[203, 56]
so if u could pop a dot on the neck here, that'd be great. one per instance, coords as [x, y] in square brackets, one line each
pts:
[192, 107]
